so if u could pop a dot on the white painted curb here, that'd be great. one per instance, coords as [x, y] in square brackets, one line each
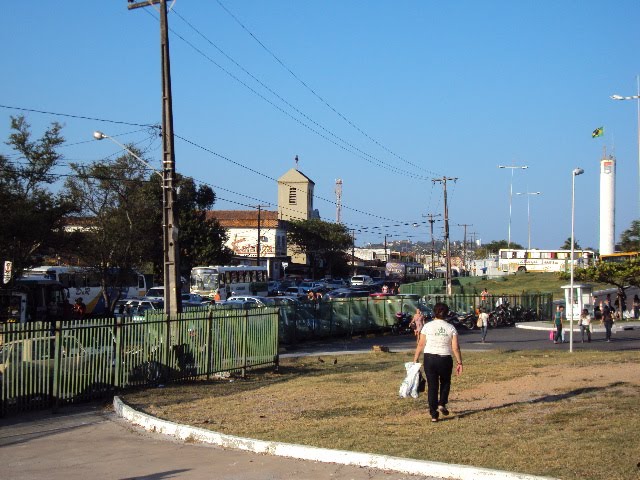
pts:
[382, 462]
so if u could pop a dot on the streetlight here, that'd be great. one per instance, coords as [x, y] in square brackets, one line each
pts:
[100, 136]
[574, 174]
[528, 194]
[634, 97]
[512, 167]
[169, 233]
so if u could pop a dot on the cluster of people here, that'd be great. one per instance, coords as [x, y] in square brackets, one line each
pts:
[602, 312]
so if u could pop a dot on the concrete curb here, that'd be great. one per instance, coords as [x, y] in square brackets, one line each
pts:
[382, 462]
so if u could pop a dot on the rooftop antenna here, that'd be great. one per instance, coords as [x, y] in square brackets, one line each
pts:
[338, 200]
[296, 159]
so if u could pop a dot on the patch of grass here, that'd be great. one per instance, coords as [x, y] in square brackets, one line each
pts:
[569, 433]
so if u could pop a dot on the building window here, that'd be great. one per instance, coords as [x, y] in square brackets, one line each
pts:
[292, 195]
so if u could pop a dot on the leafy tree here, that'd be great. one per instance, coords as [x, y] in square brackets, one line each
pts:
[620, 275]
[630, 238]
[119, 217]
[567, 244]
[32, 216]
[321, 241]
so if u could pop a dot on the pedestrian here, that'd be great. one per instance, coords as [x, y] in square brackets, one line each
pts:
[439, 344]
[417, 322]
[483, 322]
[385, 288]
[484, 297]
[585, 325]
[636, 307]
[607, 320]
[79, 309]
[558, 323]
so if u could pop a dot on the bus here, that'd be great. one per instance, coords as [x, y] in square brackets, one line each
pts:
[405, 272]
[619, 257]
[217, 281]
[86, 284]
[522, 260]
[32, 300]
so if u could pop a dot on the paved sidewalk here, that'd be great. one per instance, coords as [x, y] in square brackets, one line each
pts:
[91, 442]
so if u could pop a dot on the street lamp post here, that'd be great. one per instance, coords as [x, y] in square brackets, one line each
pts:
[512, 168]
[574, 174]
[169, 230]
[634, 97]
[528, 194]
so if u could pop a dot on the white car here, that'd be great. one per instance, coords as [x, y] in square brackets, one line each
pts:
[155, 294]
[259, 301]
[361, 280]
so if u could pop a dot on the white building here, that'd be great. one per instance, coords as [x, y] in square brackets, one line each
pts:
[242, 230]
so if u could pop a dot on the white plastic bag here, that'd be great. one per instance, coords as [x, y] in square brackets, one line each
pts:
[409, 386]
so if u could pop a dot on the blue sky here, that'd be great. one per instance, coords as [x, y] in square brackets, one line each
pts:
[427, 89]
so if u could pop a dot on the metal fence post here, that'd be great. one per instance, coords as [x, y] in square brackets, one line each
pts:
[57, 347]
[245, 328]
[118, 353]
[209, 342]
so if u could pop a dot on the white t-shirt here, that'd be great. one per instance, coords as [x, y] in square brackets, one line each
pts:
[484, 316]
[439, 334]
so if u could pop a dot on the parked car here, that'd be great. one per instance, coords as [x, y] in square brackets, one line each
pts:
[194, 300]
[361, 280]
[256, 300]
[298, 292]
[155, 294]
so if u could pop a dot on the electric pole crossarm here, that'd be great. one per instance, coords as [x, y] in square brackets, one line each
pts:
[135, 5]
[444, 181]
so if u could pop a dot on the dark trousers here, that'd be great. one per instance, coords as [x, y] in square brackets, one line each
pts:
[558, 336]
[438, 371]
[607, 328]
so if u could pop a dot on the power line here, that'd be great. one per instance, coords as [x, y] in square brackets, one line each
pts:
[346, 147]
[304, 84]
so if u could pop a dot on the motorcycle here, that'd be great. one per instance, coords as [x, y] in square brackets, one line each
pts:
[402, 323]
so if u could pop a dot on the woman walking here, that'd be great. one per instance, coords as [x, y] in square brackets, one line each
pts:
[483, 322]
[585, 325]
[439, 344]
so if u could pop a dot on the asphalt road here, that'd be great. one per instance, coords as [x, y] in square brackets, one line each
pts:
[500, 338]
[90, 442]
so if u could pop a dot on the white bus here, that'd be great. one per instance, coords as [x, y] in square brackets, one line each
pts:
[221, 282]
[521, 260]
[85, 283]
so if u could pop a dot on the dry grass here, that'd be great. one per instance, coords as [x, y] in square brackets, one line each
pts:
[567, 416]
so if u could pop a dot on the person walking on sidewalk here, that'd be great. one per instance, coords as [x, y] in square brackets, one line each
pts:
[607, 320]
[585, 325]
[439, 344]
[483, 322]
[559, 318]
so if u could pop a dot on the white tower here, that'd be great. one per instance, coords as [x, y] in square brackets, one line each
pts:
[338, 200]
[607, 204]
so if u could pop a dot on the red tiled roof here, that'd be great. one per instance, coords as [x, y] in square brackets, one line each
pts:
[244, 218]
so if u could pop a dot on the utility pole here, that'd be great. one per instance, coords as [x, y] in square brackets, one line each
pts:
[431, 221]
[353, 252]
[259, 207]
[172, 298]
[447, 246]
[464, 244]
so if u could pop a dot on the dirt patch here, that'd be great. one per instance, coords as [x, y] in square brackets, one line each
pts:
[542, 383]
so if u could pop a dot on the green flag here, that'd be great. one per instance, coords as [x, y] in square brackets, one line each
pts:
[598, 132]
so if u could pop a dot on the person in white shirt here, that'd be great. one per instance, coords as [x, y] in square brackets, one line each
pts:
[483, 322]
[585, 324]
[439, 344]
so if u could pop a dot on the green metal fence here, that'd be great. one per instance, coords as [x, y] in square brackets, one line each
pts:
[43, 365]
[376, 314]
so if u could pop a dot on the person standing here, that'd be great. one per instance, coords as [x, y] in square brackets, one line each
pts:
[417, 322]
[439, 344]
[585, 325]
[483, 322]
[558, 323]
[636, 307]
[607, 320]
